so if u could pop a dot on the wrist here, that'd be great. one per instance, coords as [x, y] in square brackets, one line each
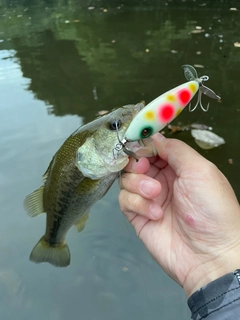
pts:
[212, 270]
[219, 298]
[200, 278]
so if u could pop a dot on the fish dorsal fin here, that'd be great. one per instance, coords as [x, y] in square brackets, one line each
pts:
[33, 203]
[45, 175]
[81, 223]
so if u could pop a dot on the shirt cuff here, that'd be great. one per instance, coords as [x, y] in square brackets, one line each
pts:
[221, 296]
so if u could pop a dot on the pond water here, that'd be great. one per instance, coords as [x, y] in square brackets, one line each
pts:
[60, 64]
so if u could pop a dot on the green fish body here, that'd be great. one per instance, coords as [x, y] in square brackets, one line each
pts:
[80, 173]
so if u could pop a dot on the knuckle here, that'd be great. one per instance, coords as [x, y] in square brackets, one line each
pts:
[209, 170]
[123, 180]
[121, 200]
[134, 201]
[129, 202]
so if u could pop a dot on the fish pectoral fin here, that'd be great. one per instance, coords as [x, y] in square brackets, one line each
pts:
[57, 255]
[33, 203]
[81, 223]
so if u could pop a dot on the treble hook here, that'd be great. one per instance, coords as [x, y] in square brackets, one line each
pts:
[199, 102]
[191, 74]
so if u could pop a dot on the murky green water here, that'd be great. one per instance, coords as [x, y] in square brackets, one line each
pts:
[60, 65]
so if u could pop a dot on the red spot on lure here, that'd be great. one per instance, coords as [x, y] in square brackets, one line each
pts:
[184, 96]
[166, 112]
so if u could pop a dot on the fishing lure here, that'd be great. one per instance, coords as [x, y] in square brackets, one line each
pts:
[162, 110]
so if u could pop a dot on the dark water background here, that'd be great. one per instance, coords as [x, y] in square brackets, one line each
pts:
[60, 63]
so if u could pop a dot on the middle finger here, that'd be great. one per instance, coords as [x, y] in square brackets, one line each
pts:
[140, 184]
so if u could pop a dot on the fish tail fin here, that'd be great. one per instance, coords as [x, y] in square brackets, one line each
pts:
[57, 255]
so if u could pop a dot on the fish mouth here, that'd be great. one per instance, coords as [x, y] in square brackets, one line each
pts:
[134, 149]
[143, 148]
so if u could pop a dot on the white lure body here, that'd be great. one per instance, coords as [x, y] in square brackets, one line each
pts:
[161, 111]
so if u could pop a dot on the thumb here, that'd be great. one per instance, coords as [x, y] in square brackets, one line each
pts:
[177, 154]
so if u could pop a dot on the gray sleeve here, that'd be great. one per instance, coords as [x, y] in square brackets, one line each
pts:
[218, 300]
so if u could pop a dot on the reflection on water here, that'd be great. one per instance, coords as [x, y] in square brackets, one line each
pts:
[59, 65]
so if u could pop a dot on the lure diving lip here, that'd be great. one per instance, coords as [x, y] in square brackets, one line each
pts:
[162, 110]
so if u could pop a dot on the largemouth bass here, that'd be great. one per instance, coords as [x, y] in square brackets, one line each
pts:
[80, 173]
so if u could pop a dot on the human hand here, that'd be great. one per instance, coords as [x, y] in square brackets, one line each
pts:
[185, 212]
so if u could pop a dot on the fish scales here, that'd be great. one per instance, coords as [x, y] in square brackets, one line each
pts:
[80, 173]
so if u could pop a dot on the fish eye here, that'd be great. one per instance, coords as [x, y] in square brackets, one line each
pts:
[146, 132]
[115, 124]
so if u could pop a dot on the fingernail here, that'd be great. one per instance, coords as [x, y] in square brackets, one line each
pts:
[147, 187]
[155, 210]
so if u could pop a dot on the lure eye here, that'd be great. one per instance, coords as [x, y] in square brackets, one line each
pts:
[115, 125]
[146, 132]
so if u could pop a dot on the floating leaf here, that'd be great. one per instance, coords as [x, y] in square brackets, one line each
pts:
[197, 31]
[200, 126]
[198, 65]
[237, 44]
[174, 129]
[102, 112]
[179, 128]
[206, 139]
[124, 269]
